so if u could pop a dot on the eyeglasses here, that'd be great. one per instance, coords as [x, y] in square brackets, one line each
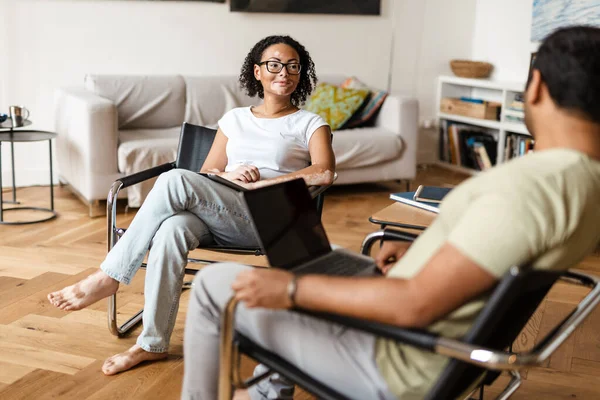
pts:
[275, 67]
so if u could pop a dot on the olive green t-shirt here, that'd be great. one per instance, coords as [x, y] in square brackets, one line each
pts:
[543, 208]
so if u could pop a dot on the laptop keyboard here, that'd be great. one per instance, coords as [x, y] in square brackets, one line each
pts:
[335, 263]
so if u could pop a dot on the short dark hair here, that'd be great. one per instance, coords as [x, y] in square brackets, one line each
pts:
[569, 63]
[308, 76]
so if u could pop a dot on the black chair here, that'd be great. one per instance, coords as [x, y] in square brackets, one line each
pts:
[194, 144]
[475, 361]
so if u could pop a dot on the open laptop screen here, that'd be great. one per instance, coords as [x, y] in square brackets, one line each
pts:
[286, 221]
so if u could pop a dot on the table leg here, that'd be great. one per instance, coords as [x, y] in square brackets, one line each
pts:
[12, 162]
[51, 180]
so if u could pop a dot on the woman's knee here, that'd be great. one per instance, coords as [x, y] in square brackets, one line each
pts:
[182, 230]
[174, 176]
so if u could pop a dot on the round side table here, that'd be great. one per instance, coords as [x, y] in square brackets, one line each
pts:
[20, 135]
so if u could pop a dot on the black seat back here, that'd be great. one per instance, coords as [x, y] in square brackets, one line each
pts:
[194, 144]
[510, 306]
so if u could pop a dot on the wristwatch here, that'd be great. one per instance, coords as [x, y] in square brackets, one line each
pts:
[292, 287]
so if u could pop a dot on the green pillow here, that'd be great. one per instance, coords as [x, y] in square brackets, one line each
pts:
[334, 104]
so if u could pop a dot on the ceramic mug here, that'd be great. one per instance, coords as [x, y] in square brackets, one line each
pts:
[18, 115]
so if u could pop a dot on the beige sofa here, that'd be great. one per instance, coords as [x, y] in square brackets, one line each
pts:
[118, 125]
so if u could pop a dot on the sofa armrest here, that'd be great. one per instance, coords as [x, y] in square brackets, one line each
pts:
[87, 141]
[400, 115]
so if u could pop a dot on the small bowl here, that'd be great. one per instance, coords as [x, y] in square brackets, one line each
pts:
[471, 69]
[3, 117]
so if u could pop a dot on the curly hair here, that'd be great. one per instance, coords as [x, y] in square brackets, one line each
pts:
[308, 76]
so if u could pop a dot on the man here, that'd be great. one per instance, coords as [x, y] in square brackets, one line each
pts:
[541, 209]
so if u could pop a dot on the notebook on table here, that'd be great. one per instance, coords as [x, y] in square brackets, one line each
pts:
[431, 194]
[292, 236]
[425, 197]
[408, 198]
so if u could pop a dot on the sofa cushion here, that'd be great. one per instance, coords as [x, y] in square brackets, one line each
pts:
[142, 149]
[210, 97]
[142, 101]
[372, 105]
[362, 147]
[335, 104]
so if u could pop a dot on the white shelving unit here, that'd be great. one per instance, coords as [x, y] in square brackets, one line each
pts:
[502, 92]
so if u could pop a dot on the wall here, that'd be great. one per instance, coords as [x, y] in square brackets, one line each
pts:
[55, 43]
[502, 37]
[4, 54]
[427, 34]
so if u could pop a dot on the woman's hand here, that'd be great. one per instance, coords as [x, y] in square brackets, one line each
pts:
[389, 254]
[260, 287]
[243, 173]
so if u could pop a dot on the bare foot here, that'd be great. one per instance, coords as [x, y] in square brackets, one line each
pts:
[129, 359]
[88, 291]
[241, 394]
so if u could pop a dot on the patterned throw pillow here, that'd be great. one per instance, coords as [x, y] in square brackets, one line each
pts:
[335, 104]
[372, 105]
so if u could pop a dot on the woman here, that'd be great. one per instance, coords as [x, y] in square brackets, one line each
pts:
[254, 146]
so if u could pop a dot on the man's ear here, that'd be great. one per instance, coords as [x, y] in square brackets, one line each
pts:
[534, 89]
[257, 72]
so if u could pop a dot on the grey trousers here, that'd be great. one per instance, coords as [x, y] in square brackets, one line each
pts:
[343, 358]
[183, 210]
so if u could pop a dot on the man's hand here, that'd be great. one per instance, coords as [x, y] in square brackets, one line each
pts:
[390, 253]
[243, 173]
[266, 288]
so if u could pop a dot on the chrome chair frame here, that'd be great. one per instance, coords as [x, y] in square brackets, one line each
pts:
[114, 233]
[482, 356]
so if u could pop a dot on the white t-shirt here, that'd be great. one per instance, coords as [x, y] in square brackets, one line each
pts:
[276, 146]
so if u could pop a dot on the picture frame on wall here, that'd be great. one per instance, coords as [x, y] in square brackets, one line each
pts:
[189, 1]
[550, 15]
[356, 7]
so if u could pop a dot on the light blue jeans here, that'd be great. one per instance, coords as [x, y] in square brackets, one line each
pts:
[183, 210]
[340, 356]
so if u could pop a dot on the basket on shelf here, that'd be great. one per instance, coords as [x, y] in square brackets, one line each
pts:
[471, 69]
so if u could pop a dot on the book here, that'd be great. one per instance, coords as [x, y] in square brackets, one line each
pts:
[408, 198]
[480, 149]
[453, 141]
[431, 194]
[223, 181]
[472, 100]
[508, 148]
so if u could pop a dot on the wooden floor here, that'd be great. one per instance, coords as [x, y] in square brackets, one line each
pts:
[50, 354]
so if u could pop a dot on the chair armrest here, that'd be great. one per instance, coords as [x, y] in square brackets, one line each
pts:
[427, 341]
[144, 175]
[384, 235]
[113, 193]
[414, 337]
[479, 355]
[130, 180]
[473, 354]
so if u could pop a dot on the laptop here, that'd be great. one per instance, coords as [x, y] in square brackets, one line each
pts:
[292, 236]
